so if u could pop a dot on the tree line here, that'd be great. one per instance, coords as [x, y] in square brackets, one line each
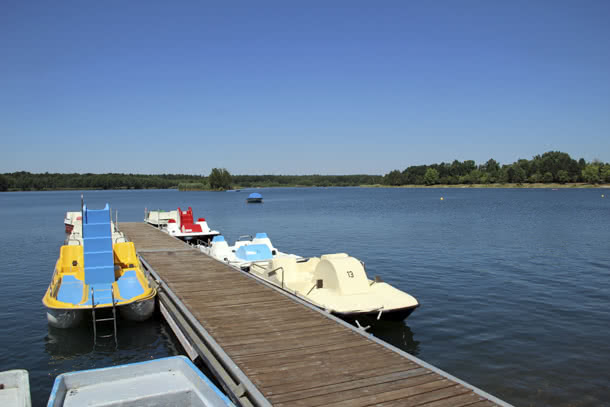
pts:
[247, 181]
[550, 167]
[218, 179]
[26, 181]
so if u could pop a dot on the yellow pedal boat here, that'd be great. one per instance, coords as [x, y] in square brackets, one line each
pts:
[97, 274]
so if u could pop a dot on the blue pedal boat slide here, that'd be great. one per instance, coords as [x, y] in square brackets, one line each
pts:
[172, 381]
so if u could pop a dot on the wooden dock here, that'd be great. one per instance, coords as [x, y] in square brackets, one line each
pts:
[270, 348]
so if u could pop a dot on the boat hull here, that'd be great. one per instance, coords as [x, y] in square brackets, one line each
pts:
[138, 311]
[255, 200]
[64, 318]
[396, 315]
[195, 237]
[70, 318]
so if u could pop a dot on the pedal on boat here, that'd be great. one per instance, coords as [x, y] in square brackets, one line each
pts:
[97, 274]
[335, 282]
[181, 224]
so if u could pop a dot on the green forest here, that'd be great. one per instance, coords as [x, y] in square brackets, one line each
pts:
[218, 179]
[550, 167]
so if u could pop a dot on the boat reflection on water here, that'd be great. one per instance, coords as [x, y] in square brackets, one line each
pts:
[62, 344]
[396, 334]
[133, 338]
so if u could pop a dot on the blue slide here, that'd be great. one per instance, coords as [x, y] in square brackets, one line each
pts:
[99, 258]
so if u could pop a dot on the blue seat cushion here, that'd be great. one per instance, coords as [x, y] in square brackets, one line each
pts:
[254, 252]
[129, 285]
[102, 294]
[70, 290]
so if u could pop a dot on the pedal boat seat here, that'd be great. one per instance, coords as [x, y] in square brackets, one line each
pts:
[70, 290]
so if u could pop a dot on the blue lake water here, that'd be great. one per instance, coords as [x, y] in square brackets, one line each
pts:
[514, 285]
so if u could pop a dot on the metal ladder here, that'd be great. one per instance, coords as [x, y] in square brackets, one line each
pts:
[96, 320]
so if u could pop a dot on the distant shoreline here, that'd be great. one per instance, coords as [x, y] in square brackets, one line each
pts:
[578, 185]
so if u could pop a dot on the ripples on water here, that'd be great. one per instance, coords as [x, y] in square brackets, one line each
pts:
[513, 284]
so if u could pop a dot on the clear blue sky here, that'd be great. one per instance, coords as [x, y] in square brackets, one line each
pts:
[322, 87]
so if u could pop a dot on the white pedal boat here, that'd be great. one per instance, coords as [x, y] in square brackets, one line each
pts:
[181, 224]
[244, 252]
[70, 219]
[76, 235]
[336, 283]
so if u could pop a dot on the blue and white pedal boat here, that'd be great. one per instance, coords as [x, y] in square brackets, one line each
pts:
[246, 250]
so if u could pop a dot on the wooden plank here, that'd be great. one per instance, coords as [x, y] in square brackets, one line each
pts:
[284, 345]
[485, 403]
[331, 374]
[257, 337]
[451, 392]
[349, 385]
[346, 356]
[277, 324]
[426, 390]
[466, 399]
[335, 356]
[340, 396]
[318, 351]
[205, 289]
[268, 310]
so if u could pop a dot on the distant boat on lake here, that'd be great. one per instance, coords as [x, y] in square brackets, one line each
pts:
[255, 197]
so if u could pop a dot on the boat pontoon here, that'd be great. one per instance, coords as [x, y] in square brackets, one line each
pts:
[180, 224]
